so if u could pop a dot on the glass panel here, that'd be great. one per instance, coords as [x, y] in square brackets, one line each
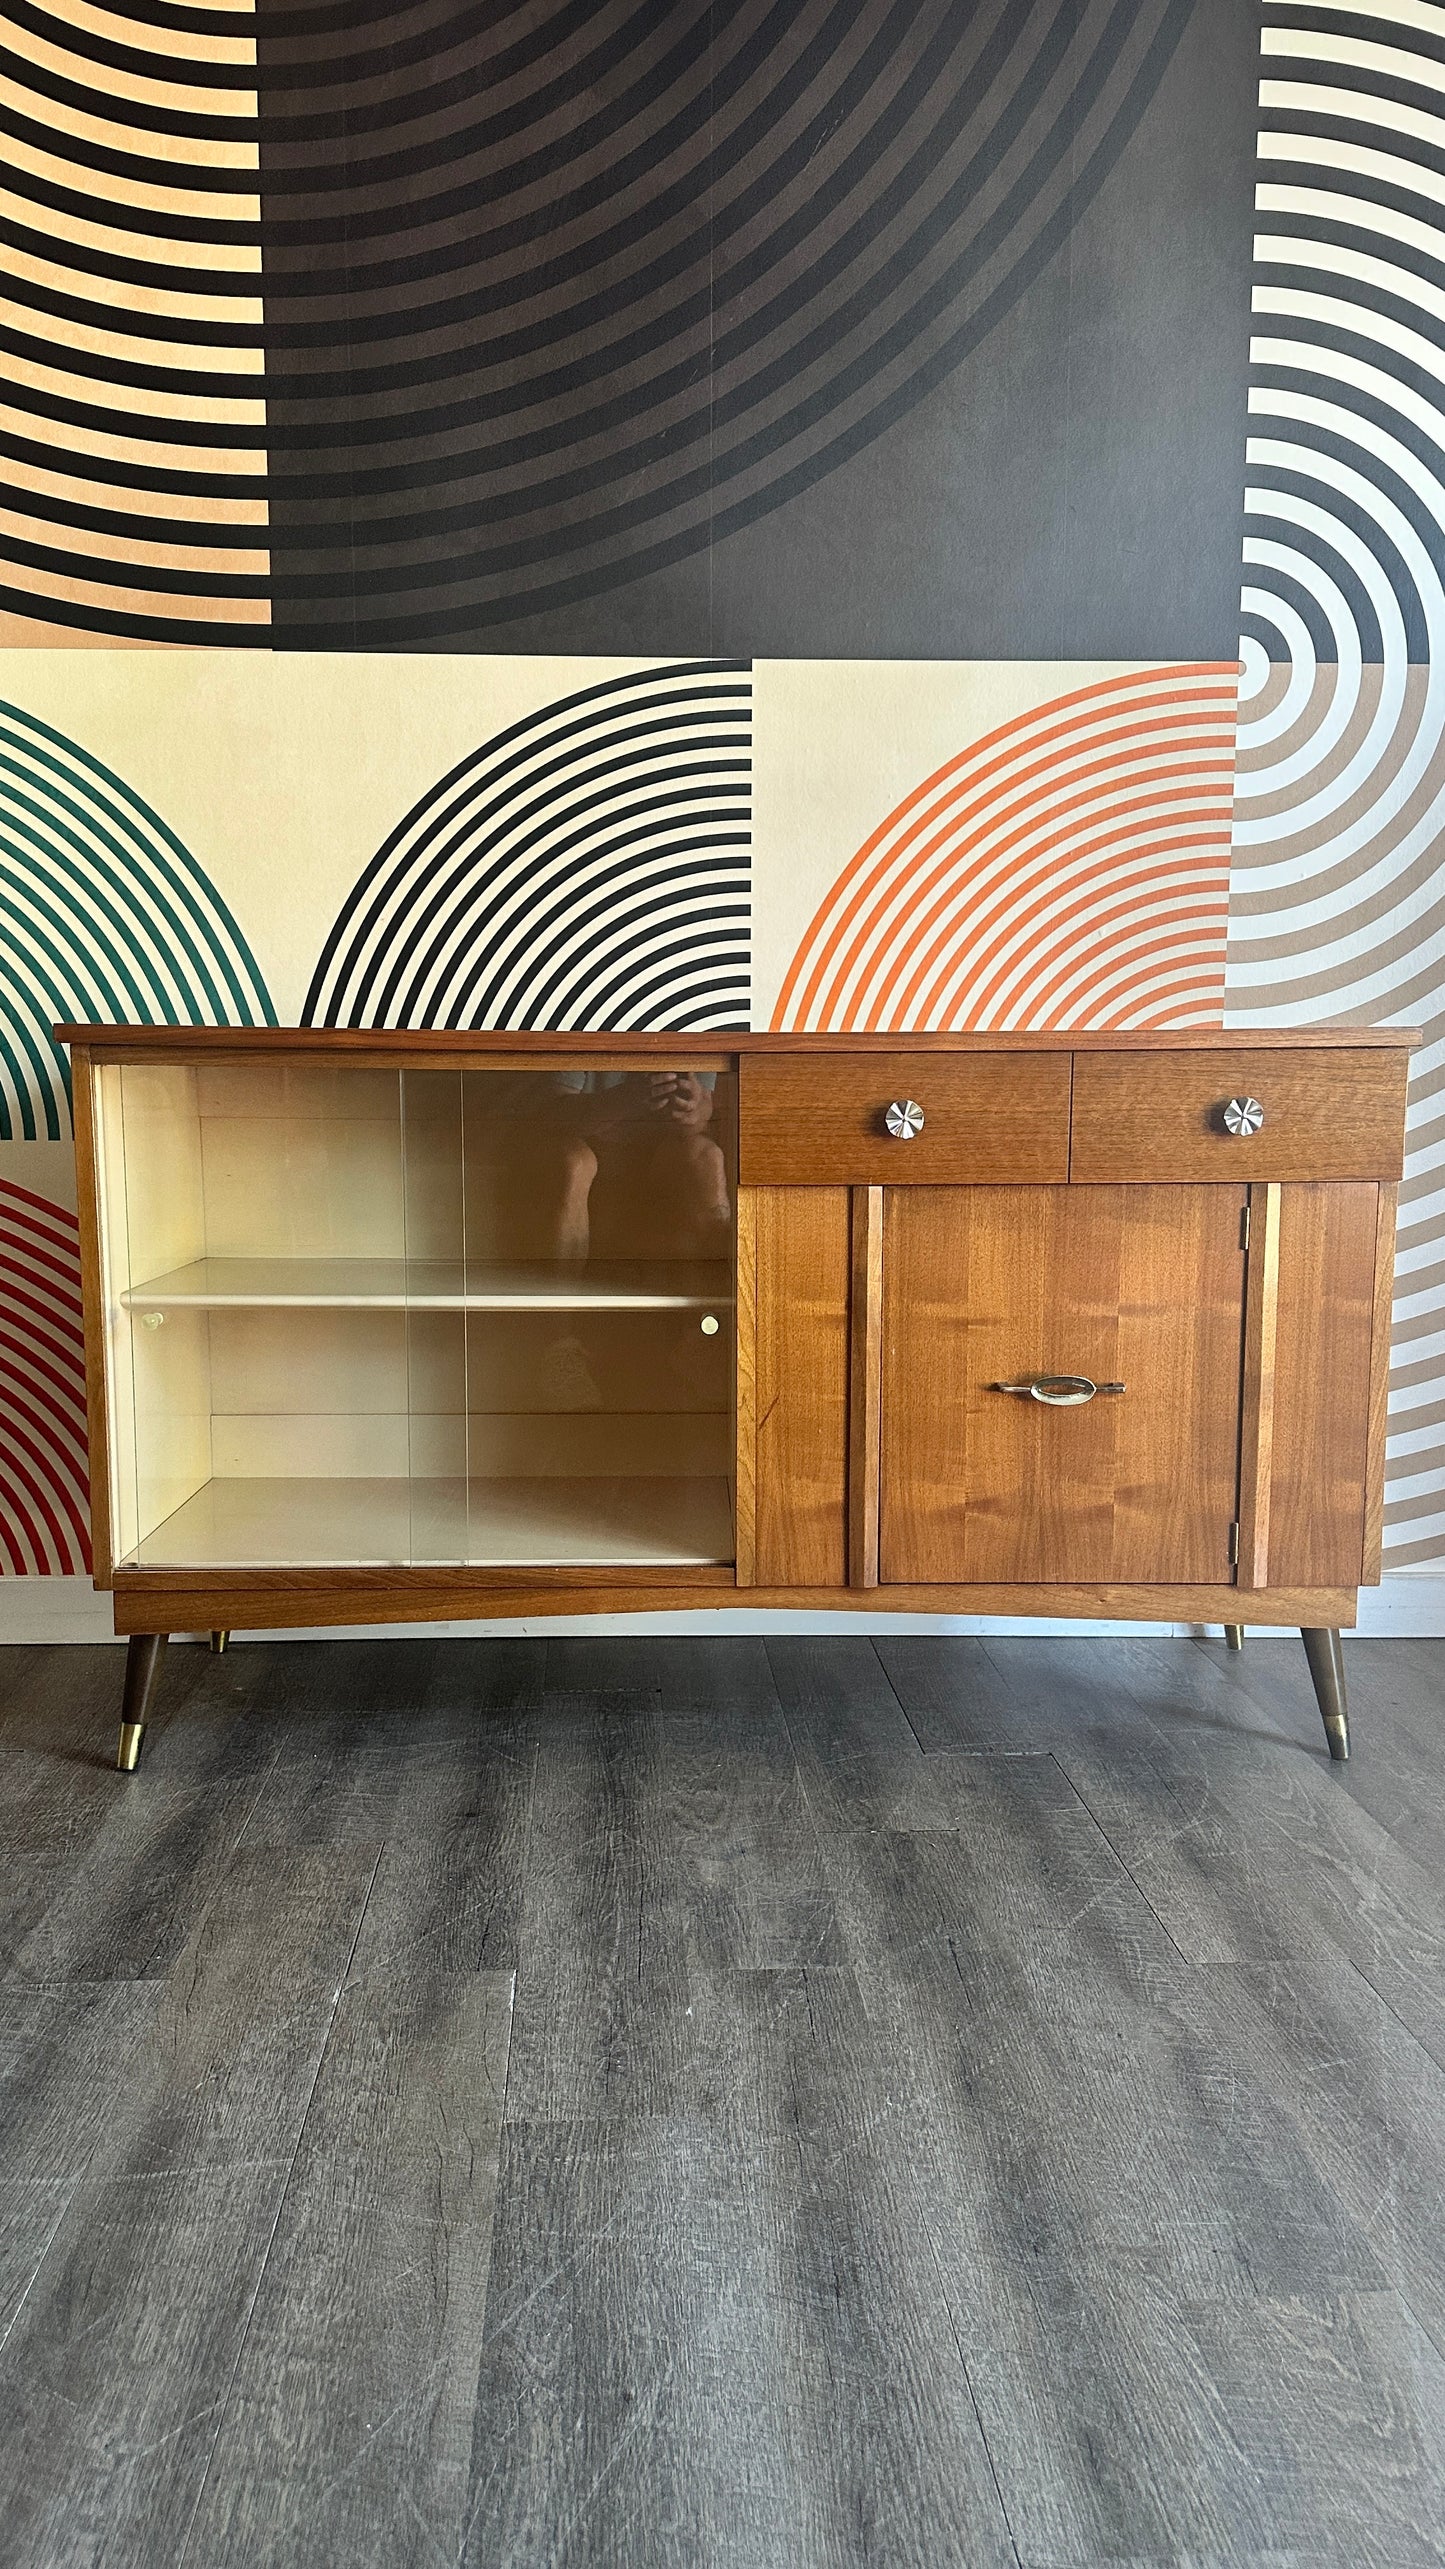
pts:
[436, 1322]
[267, 1256]
[369, 1318]
[599, 1231]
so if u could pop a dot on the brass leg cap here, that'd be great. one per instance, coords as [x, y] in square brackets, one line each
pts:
[1234, 1636]
[1337, 1732]
[220, 1641]
[128, 1753]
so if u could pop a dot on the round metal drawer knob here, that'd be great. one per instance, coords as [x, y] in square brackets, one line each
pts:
[708, 1325]
[904, 1118]
[1243, 1115]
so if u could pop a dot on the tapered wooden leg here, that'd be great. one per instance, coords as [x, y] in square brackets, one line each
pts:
[220, 1641]
[1234, 1636]
[142, 1660]
[1327, 1668]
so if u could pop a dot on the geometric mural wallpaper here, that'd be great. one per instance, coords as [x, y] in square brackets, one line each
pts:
[1338, 893]
[914, 513]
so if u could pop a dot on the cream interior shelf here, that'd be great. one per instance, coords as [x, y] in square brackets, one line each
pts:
[433, 1284]
[594, 1521]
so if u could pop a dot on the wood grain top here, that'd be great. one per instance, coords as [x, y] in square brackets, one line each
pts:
[432, 1044]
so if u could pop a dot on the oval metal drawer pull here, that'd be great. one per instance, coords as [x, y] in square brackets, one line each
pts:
[904, 1118]
[1058, 1391]
[1243, 1115]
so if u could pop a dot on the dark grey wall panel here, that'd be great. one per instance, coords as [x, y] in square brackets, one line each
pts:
[800, 329]
[1072, 491]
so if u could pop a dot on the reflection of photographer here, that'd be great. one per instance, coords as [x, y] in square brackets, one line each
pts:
[683, 1096]
[609, 1164]
[647, 1178]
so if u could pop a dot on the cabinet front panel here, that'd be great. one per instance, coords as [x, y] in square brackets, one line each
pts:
[802, 1262]
[1139, 1285]
[418, 1319]
[1320, 1465]
[1163, 1115]
[820, 1119]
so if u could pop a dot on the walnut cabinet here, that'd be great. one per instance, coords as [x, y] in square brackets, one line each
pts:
[395, 1325]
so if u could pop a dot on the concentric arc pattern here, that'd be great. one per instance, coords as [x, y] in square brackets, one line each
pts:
[44, 1470]
[1068, 869]
[1338, 907]
[586, 868]
[491, 394]
[104, 918]
[132, 416]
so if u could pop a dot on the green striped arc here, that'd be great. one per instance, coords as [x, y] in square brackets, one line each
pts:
[104, 915]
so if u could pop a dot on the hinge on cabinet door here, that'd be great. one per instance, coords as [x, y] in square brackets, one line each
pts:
[1234, 1545]
[1244, 1228]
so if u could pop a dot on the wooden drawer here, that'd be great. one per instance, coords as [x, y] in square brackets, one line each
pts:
[1161, 1115]
[817, 1119]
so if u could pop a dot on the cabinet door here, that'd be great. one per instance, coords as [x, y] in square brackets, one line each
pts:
[1142, 1285]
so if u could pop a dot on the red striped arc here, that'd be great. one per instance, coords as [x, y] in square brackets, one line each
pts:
[1068, 869]
[44, 1485]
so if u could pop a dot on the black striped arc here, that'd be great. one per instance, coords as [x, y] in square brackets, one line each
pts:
[587, 867]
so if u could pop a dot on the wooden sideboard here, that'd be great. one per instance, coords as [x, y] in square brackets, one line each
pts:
[383, 1326]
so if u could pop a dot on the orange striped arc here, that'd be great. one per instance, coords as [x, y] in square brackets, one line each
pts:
[1071, 868]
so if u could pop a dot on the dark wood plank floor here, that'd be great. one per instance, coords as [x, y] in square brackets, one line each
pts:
[712, 2105]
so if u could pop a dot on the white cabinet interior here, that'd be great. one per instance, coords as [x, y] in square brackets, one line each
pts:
[362, 1316]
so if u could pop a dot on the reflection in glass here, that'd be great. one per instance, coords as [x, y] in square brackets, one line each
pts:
[450, 1317]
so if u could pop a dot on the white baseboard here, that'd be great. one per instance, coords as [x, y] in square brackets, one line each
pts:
[1409, 1602]
[53, 1610]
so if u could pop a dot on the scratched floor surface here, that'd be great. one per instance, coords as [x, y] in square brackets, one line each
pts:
[648, 2104]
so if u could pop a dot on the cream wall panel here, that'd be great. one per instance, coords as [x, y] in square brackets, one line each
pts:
[43, 1168]
[304, 1445]
[165, 1222]
[261, 1088]
[172, 1376]
[837, 744]
[301, 1186]
[435, 1181]
[437, 1444]
[498, 1444]
[308, 1360]
[436, 1361]
[283, 772]
[152, 1217]
[624, 1360]
[310, 1445]
[316, 1361]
